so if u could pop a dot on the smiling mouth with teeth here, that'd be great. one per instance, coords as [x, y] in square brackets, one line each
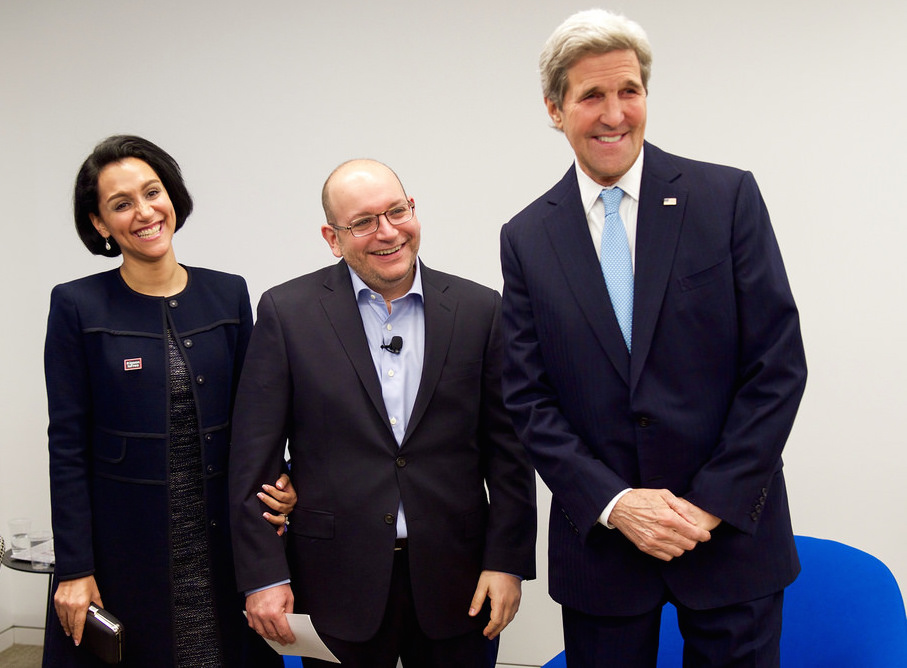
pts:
[388, 251]
[148, 231]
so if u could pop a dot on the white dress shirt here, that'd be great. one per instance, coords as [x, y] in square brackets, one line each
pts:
[595, 216]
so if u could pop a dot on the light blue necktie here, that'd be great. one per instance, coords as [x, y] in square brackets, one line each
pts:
[617, 265]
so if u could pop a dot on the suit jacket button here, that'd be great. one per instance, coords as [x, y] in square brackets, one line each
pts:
[643, 422]
[200, 380]
[388, 519]
[173, 303]
[188, 343]
[754, 515]
[401, 462]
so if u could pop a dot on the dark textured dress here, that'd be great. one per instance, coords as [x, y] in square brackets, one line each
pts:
[194, 621]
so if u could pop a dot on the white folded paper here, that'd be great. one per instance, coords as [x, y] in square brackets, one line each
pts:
[307, 641]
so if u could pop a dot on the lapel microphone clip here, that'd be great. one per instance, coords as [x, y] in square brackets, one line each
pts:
[395, 346]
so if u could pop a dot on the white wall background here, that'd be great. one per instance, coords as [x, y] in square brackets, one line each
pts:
[258, 101]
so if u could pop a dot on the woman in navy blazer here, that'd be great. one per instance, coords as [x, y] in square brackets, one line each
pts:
[141, 365]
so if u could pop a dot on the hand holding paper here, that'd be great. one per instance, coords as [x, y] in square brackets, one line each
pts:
[307, 642]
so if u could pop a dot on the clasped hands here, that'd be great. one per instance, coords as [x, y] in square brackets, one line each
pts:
[660, 524]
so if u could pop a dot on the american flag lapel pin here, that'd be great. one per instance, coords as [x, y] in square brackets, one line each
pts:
[669, 201]
[134, 364]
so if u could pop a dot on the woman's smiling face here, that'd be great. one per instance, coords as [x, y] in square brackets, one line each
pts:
[135, 210]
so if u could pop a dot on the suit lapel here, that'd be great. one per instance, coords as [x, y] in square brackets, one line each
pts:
[661, 208]
[440, 312]
[342, 311]
[568, 234]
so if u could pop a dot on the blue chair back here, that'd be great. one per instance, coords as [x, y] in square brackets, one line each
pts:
[844, 610]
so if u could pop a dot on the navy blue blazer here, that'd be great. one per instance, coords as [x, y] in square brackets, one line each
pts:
[702, 407]
[464, 479]
[106, 366]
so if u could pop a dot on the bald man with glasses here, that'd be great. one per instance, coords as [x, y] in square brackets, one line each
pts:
[416, 521]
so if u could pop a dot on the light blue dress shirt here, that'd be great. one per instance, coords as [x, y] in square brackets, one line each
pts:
[399, 374]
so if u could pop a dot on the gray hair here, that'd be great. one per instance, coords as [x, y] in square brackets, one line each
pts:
[591, 32]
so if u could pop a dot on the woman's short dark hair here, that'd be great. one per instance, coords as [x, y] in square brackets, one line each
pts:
[115, 149]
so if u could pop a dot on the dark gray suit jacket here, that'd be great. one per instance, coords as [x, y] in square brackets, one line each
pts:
[309, 378]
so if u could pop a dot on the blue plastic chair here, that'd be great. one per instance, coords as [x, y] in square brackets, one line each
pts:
[844, 610]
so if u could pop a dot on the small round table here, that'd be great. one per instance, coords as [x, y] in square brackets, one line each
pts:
[26, 567]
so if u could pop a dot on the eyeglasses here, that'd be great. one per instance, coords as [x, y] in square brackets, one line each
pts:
[396, 215]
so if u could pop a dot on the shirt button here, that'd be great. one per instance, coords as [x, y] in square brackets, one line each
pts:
[391, 373]
[200, 380]
[401, 462]
[388, 519]
[389, 327]
[173, 303]
[393, 420]
[188, 343]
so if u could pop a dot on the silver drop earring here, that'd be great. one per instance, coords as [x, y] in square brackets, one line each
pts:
[107, 243]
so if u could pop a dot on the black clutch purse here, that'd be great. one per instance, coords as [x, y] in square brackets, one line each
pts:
[103, 635]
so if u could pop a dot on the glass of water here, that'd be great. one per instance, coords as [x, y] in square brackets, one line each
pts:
[19, 528]
[42, 549]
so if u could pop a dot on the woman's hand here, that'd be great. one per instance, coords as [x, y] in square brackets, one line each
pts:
[280, 497]
[71, 603]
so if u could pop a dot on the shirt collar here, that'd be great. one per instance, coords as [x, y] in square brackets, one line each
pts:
[360, 288]
[630, 183]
